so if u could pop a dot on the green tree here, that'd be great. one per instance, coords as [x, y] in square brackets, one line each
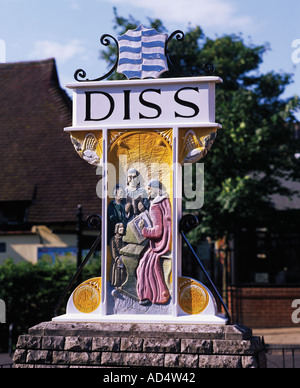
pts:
[255, 149]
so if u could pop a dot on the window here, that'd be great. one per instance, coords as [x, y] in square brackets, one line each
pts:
[266, 258]
[13, 212]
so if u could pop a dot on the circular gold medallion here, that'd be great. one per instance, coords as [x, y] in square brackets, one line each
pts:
[87, 296]
[193, 297]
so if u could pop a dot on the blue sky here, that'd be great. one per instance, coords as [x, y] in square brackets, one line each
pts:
[69, 30]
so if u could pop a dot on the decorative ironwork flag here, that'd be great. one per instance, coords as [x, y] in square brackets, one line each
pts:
[142, 53]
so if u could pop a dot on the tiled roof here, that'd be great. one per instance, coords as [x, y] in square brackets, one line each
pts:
[37, 159]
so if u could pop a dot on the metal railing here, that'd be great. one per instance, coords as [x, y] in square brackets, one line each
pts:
[283, 356]
[6, 366]
[186, 224]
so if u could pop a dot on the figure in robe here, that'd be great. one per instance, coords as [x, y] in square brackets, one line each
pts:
[136, 197]
[117, 271]
[116, 211]
[151, 285]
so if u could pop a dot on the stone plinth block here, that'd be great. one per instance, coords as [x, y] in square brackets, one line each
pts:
[106, 345]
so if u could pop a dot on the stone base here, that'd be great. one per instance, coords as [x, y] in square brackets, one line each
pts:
[108, 345]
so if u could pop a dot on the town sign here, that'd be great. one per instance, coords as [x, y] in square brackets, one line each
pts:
[144, 129]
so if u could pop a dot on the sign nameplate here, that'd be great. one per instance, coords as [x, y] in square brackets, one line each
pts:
[189, 101]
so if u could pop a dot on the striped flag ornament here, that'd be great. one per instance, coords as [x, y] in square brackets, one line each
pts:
[142, 53]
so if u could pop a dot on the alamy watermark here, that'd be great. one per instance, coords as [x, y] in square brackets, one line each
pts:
[2, 51]
[192, 175]
[2, 311]
[296, 313]
[296, 52]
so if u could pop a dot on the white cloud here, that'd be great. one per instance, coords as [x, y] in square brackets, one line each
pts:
[206, 13]
[61, 52]
[74, 5]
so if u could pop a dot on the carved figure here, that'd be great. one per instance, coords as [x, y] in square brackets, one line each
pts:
[116, 211]
[117, 271]
[151, 285]
[137, 201]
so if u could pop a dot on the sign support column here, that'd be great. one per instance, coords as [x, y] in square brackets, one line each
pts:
[177, 213]
[104, 224]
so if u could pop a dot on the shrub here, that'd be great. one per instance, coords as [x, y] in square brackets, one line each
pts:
[32, 291]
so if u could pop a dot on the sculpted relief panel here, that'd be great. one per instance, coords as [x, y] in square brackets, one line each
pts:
[140, 223]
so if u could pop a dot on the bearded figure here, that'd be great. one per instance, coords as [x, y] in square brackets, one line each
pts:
[151, 285]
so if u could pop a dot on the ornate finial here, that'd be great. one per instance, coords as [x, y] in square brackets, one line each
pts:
[142, 53]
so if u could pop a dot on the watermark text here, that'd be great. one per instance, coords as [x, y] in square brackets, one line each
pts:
[192, 176]
[296, 313]
[296, 52]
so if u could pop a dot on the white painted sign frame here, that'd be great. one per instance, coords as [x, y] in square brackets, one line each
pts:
[130, 101]
[134, 105]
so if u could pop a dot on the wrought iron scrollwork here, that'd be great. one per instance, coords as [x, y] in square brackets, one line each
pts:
[208, 68]
[180, 36]
[186, 224]
[94, 222]
[80, 74]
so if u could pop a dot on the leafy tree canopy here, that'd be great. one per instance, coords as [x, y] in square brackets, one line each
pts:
[255, 150]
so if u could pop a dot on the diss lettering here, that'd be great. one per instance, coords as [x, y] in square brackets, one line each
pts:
[146, 98]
